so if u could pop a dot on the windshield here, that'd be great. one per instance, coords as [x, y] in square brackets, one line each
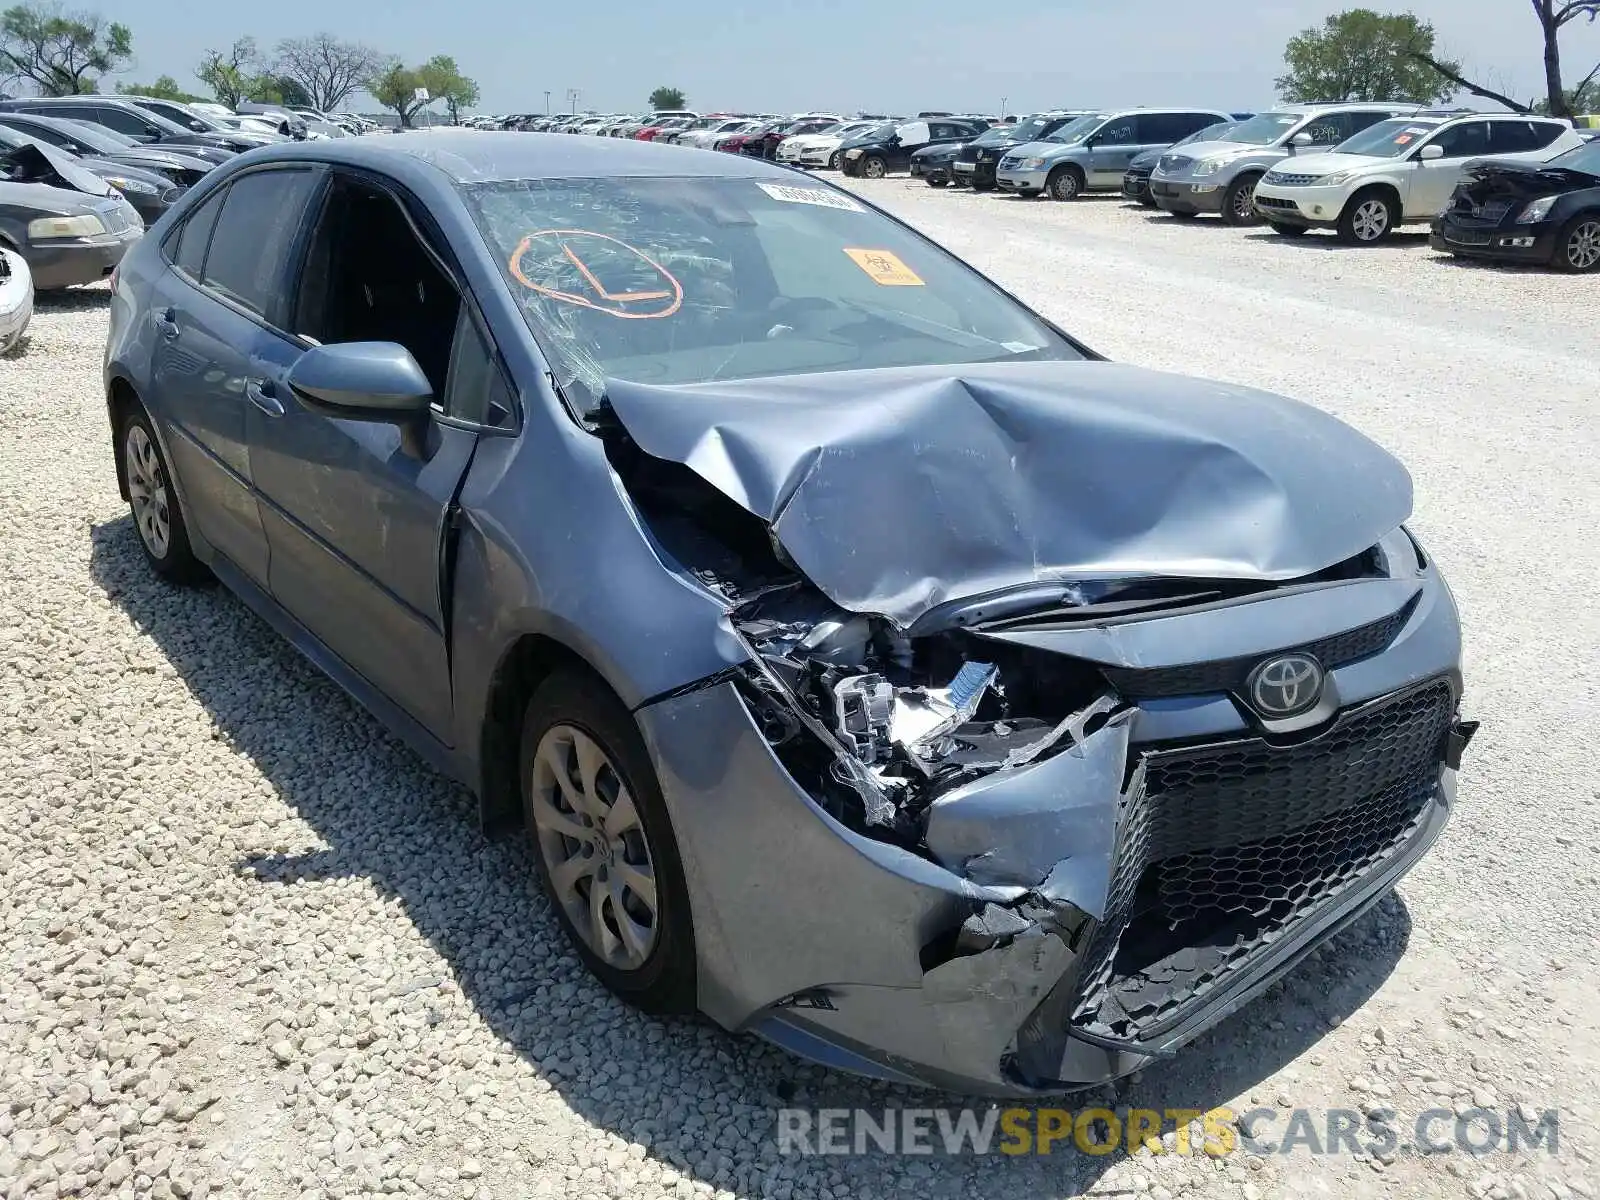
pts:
[1585, 158]
[191, 116]
[1387, 139]
[1074, 132]
[1220, 132]
[1029, 129]
[688, 280]
[97, 137]
[1265, 129]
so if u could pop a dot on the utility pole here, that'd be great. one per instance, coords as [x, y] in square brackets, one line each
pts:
[547, 103]
[572, 95]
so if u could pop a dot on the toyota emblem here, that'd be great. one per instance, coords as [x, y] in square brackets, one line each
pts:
[1286, 685]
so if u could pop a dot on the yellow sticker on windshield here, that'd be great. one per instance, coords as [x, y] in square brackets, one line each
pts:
[885, 269]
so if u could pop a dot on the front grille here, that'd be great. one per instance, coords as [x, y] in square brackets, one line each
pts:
[1491, 212]
[1224, 848]
[1276, 202]
[1229, 674]
[1173, 163]
[1292, 180]
[1467, 237]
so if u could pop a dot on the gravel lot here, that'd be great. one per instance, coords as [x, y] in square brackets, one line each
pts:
[250, 947]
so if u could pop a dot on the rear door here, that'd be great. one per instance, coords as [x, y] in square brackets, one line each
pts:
[218, 343]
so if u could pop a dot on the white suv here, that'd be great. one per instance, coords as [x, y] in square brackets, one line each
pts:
[1398, 172]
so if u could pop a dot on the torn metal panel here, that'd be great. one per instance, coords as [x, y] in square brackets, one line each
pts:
[896, 490]
[1050, 826]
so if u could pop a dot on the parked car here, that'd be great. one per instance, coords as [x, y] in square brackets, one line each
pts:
[149, 193]
[121, 116]
[1092, 153]
[703, 135]
[935, 164]
[766, 143]
[1136, 180]
[889, 148]
[821, 149]
[1220, 177]
[97, 142]
[820, 731]
[736, 135]
[1527, 212]
[70, 225]
[976, 161]
[1398, 172]
[236, 138]
[16, 298]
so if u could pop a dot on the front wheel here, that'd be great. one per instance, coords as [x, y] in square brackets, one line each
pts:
[1065, 183]
[874, 167]
[153, 500]
[1367, 219]
[836, 160]
[1239, 201]
[609, 862]
[1578, 246]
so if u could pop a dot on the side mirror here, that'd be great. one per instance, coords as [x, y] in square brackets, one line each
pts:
[1301, 140]
[1090, 142]
[361, 381]
[1431, 151]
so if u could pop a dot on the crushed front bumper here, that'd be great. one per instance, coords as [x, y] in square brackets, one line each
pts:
[1189, 880]
[1470, 238]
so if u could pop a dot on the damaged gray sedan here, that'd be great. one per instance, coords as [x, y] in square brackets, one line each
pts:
[872, 666]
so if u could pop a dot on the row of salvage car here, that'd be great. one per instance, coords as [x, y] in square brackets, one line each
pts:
[1491, 185]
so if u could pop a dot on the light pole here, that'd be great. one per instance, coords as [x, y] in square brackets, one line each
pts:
[572, 95]
[547, 104]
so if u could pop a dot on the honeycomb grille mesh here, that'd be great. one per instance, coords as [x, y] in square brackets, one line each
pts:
[1225, 847]
[1229, 674]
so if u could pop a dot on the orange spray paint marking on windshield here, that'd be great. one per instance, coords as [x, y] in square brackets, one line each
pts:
[603, 299]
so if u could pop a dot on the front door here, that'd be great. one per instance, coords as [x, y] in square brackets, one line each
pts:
[1115, 145]
[1433, 180]
[356, 512]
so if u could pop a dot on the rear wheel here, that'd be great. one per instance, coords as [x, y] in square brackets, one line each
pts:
[1239, 201]
[609, 861]
[1065, 183]
[1289, 231]
[1578, 246]
[1367, 219]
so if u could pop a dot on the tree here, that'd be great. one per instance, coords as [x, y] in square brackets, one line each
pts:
[164, 88]
[667, 98]
[233, 74]
[1363, 55]
[1553, 16]
[328, 69]
[396, 87]
[61, 54]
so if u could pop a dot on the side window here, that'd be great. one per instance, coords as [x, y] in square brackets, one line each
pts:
[475, 389]
[1464, 140]
[1119, 131]
[250, 245]
[119, 119]
[189, 247]
[40, 132]
[939, 131]
[1512, 137]
[1357, 121]
[1330, 128]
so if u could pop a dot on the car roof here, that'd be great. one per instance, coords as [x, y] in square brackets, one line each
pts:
[1346, 105]
[476, 156]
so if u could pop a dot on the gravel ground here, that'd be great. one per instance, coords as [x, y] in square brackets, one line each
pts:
[250, 947]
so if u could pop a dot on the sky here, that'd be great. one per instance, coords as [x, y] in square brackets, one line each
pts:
[874, 55]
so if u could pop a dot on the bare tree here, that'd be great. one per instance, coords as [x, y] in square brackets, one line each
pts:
[1477, 89]
[327, 68]
[1555, 15]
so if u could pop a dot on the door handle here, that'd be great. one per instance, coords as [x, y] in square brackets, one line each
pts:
[167, 323]
[260, 392]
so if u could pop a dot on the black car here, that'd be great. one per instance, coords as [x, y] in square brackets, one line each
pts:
[149, 193]
[96, 141]
[1527, 212]
[975, 162]
[197, 122]
[1136, 180]
[135, 122]
[935, 163]
[889, 148]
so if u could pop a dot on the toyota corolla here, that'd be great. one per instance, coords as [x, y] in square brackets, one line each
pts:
[871, 665]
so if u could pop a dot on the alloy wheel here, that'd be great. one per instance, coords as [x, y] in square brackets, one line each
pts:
[1583, 246]
[147, 491]
[594, 847]
[1371, 220]
[873, 168]
[1244, 203]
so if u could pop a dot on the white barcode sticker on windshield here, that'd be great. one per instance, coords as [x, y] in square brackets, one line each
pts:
[805, 195]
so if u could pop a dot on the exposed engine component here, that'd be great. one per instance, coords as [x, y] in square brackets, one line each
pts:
[863, 713]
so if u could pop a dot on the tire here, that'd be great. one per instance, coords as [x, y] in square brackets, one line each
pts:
[1578, 245]
[873, 166]
[1146, 202]
[1182, 214]
[1368, 218]
[836, 160]
[581, 748]
[938, 181]
[1238, 202]
[153, 500]
[984, 186]
[1064, 183]
[1288, 231]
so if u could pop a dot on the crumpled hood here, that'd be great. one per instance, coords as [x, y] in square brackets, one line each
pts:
[896, 490]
